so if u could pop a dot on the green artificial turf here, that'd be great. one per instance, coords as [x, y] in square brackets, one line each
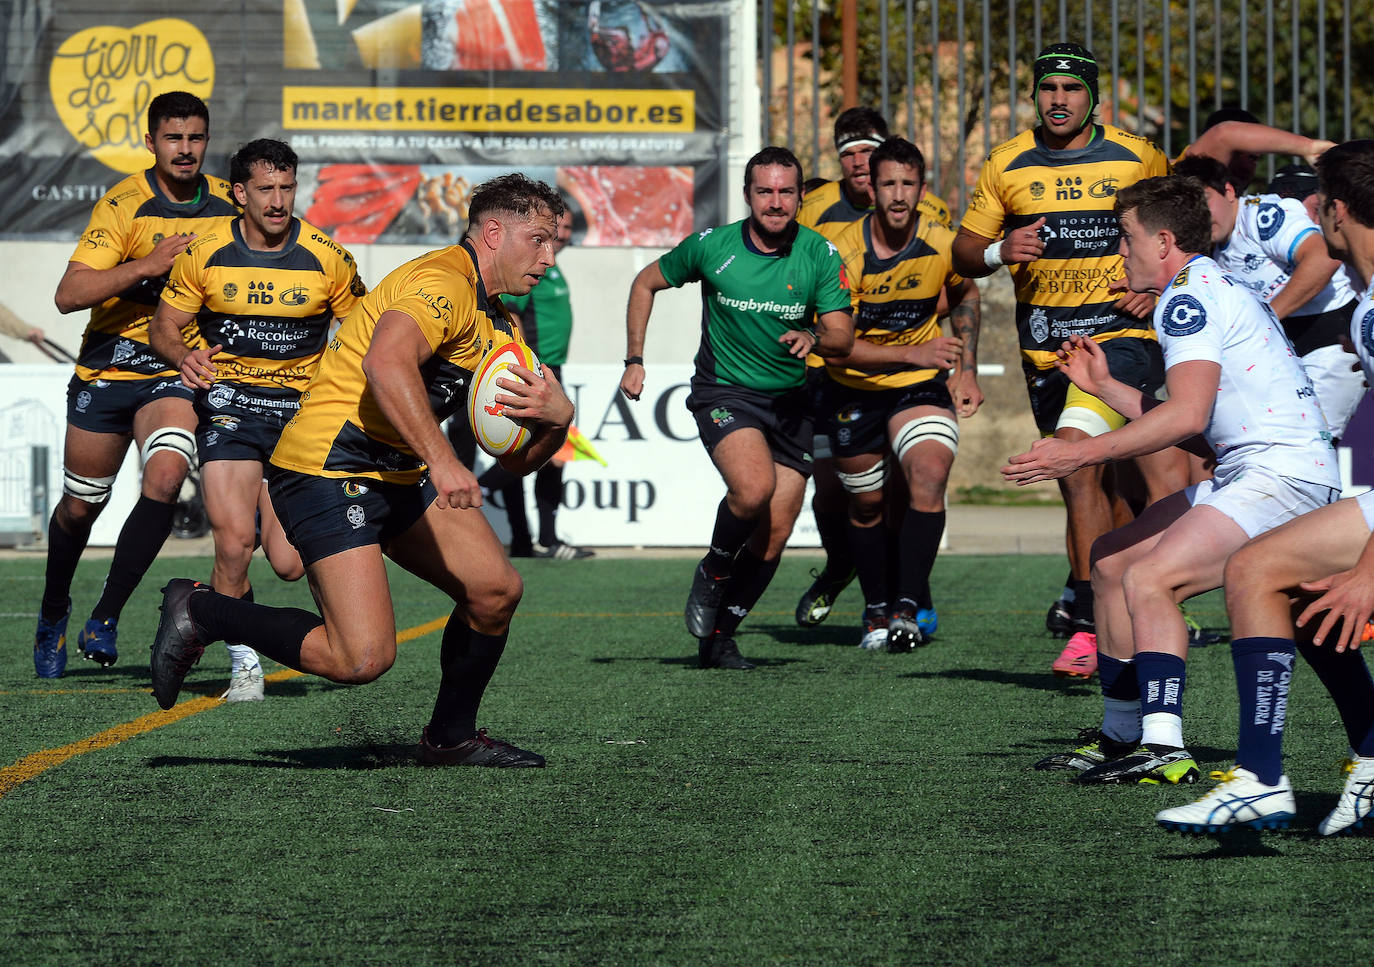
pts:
[831, 807]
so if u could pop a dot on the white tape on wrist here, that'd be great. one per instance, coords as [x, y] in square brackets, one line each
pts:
[992, 255]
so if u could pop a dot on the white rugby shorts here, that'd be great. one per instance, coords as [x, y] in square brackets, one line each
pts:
[1259, 500]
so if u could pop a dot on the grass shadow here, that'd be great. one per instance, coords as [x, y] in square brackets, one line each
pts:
[1036, 680]
[347, 757]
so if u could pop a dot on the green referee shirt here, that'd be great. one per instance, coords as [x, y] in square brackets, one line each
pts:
[750, 298]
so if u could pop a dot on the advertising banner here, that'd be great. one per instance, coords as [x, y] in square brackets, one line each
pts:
[397, 109]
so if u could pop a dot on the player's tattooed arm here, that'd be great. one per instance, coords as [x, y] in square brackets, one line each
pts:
[965, 320]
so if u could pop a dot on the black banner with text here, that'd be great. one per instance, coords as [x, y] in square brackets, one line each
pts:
[396, 109]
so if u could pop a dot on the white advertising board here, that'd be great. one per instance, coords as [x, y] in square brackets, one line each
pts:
[659, 488]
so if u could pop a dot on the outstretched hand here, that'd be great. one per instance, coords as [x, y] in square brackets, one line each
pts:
[1047, 459]
[1082, 360]
[1347, 598]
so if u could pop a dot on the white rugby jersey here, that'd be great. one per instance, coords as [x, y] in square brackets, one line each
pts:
[1362, 333]
[1266, 413]
[1259, 254]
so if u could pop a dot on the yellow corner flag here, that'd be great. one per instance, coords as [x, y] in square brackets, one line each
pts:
[578, 447]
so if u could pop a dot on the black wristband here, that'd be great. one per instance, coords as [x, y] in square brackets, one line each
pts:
[634, 360]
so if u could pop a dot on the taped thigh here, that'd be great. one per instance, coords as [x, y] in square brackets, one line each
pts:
[865, 481]
[173, 439]
[938, 429]
[1088, 413]
[93, 490]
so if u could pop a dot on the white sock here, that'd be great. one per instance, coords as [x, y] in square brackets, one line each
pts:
[1121, 719]
[241, 657]
[1162, 728]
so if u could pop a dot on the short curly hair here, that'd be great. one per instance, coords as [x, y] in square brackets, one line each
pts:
[513, 194]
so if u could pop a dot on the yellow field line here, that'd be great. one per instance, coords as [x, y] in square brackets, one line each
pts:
[39, 762]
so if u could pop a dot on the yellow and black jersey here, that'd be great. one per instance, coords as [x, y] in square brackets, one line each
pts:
[895, 298]
[1064, 291]
[340, 431]
[830, 212]
[269, 310]
[827, 210]
[126, 224]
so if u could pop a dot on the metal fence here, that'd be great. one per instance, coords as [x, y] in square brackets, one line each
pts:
[954, 75]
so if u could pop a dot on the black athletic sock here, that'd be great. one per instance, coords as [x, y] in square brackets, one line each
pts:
[496, 479]
[276, 633]
[464, 444]
[64, 551]
[513, 496]
[1067, 594]
[548, 494]
[727, 537]
[833, 529]
[246, 596]
[748, 581]
[1082, 607]
[1346, 677]
[140, 539]
[467, 660]
[869, 546]
[919, 544]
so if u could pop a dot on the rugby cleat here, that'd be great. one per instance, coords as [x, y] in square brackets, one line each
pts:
[1357, 798]
[875, 627]
[904, 634]
[702, 603]
[245, 685]
[97, 641]
[1059, 619]
[1198, 636]
[50, 645]
[480, 750]
[1094, 749]
[1148, 764]
[716, 652]
[1239, 801]
[1079, 657]
[179, 643]
[816, 603]
[562, 551]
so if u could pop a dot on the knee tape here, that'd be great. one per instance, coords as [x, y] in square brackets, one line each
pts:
[865, 481]
[940, 429]
[93, 490]
[172, 438]
[1082, 418]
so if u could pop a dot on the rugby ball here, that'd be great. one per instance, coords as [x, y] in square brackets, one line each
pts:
[497, 433]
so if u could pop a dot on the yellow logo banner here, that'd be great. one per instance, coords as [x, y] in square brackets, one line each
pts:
[102, 79]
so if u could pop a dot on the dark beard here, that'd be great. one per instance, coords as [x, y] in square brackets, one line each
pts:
[780, 242]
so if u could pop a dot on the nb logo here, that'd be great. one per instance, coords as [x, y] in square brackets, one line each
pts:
[260, 293]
